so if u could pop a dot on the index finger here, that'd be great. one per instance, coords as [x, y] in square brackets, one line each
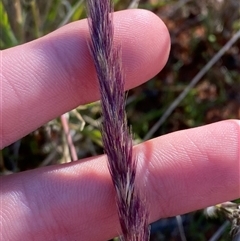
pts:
[52, 75]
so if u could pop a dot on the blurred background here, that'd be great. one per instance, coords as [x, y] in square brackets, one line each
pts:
[173, 100]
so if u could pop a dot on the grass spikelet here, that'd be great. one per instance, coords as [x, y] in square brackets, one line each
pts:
[117, 139]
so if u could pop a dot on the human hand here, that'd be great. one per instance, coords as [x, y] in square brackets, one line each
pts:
[185, 170]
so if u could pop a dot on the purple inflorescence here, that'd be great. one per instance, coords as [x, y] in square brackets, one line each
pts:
[117, 139]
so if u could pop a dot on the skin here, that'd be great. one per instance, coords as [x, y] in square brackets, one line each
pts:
[179, 172]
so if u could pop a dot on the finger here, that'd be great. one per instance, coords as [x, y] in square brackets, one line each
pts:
[179, 172]
[50, 76]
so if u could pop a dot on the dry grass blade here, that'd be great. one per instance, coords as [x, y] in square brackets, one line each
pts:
[192, 83]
